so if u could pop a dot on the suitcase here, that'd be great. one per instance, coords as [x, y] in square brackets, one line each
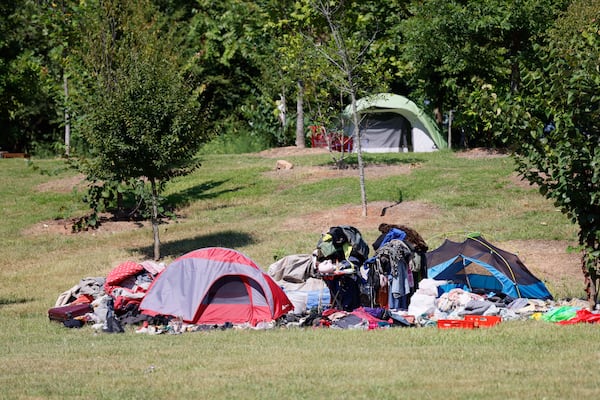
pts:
[64, 313]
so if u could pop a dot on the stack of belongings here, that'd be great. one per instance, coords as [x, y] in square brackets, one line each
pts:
[296, 275]
[107, 302]
[391, 276]
[339, 254]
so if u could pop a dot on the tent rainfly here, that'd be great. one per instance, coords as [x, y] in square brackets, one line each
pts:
[216, 285]
[479, 265]
[385, 123]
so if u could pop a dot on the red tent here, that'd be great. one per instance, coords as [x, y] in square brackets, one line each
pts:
[216, 285]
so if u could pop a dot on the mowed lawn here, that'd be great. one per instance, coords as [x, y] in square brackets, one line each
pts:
[241, 202]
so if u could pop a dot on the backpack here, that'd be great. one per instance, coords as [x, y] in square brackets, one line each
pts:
[342, 242]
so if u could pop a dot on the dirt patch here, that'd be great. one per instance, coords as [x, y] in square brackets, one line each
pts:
[477, 152]
[108, 225]
[518, 181]
[316, 173]
[547, 259]
[482, 152]
[63, 185]
[352, 215]
[279, 152]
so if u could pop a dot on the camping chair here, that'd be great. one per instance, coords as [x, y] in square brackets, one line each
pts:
[343, 288]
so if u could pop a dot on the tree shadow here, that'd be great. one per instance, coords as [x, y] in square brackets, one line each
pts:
[198, 192]
[227, 239]
[380, 159]
[8, 302]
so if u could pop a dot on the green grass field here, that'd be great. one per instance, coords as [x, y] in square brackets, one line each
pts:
[237, 201]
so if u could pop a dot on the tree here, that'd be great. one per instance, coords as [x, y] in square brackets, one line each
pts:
[136, 110]
[299, 30]
[556, 127]
[345, 48]
[299, 69]
[29, 103]
[237, 69]
[451, 49]
[60, 21]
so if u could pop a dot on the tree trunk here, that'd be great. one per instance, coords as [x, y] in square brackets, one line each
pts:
[361, 167]
[450, 117]
[67, 119]
[591, 279]
[347, 67]
[300, 116]
[155, 220]
[439, 117]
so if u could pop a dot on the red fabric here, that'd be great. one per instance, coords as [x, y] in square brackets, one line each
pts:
[329, 311]
[120, 273]
[220, 254]
[582, 315]
[235, 313]
[373, 322]
[83, 299]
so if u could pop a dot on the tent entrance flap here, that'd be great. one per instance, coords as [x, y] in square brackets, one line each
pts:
[486, 267]
[389, 117]
[385, 132]
[235, 290]
[466, 271]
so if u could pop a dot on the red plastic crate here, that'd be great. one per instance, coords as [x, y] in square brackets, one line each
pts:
[318, 140]
[455, 323]
[483, 320]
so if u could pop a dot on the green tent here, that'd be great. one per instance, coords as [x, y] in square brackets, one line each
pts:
[390, 123]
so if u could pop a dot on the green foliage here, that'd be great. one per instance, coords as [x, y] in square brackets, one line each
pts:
[235, 144]
[563, 158]
[129, 200]
[454, 50]
[484, 115]
[231, 60]
[138, 114]
[29, 102]
[306, 51]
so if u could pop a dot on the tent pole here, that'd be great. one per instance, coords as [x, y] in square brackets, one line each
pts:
[512, 273]
[467, 276]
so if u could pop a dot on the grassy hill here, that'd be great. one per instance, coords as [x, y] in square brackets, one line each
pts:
[242, 202]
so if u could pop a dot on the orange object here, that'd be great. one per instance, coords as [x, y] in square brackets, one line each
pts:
[455, 323]
[483, 320]
[382, 297]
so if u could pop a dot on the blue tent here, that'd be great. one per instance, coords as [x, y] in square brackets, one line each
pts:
[479, 265]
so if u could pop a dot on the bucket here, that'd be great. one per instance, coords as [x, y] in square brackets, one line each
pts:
[299, 300]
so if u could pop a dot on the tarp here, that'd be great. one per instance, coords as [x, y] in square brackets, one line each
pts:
[384, 118]
[478, 264]
[216, 285]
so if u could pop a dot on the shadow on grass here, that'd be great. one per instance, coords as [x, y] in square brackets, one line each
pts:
[380, 159]
[8, 302]
[228, 239]
[198, 192]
